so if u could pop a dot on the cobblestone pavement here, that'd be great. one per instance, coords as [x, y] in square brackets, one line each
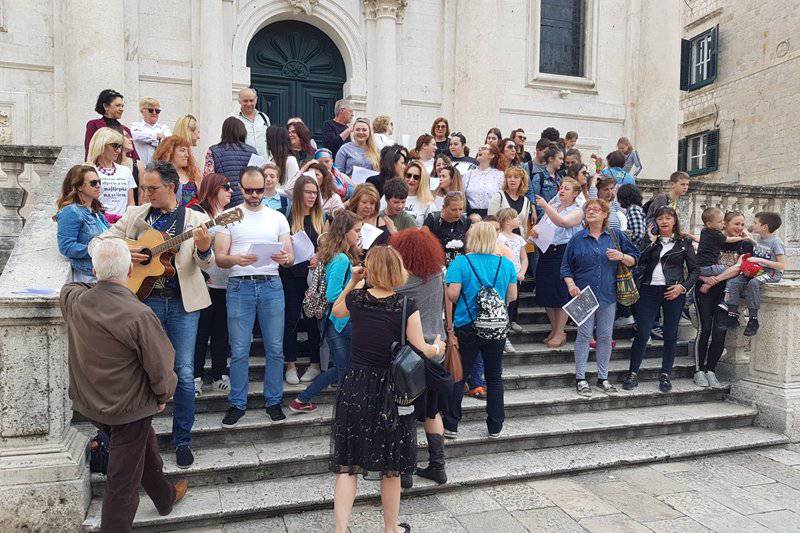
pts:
[753, 491]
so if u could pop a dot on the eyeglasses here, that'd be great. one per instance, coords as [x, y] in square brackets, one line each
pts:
[150, 189]
[94, 183]
[151, 110]
[415, 177]
[311, 193]
[594, 209]
[439, 126]
[227, 187]
[522, 138]
[116, 146]
[256, 191]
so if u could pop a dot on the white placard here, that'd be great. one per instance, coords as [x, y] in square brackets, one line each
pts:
[311, 174]
[302, 246]
[368, 235]
[264, 251]
[360, 175]
[582, 306]
[256, 161]
[434, 183]
[547, 232]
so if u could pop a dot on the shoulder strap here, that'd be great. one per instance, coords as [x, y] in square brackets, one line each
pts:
[180, 221]
[614, 238]
[497, 272]
[403, 323]
[264, 118]
[474, 271]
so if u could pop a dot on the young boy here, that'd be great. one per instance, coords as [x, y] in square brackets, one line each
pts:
[769, 253]
[674, 197]
[708, 252]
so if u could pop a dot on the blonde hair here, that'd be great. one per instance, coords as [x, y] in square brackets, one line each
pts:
[370, 150]
[385, 268]
[424, 193]
[572, 182]
[380, 124]
[506, 214]
[523, 180]
[482, 238]
[184, 127]
[102, 138]
[148, 101]
[603, 205]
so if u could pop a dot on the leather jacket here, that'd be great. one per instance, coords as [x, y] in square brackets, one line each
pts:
[679, 264]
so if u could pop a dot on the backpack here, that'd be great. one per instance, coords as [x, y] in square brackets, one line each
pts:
[315, 305]
[491, 322]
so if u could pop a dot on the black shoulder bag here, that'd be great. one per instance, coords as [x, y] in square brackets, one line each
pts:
[408, 368]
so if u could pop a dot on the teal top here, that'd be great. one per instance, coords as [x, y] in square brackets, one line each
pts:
[337, 275]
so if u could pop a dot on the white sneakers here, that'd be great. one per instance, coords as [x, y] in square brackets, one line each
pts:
[713, 382]
[623, 321]
[706, 379]
[291, 376]
[222, 384]
[310, 374]
[509, 348]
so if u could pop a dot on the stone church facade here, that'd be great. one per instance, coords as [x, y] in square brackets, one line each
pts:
[604, 69]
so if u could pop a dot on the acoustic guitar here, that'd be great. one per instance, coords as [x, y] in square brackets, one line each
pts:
[160, 248]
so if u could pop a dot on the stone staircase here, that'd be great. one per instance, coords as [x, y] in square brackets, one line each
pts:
[262, 468]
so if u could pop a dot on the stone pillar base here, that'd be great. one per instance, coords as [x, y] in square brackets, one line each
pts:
[778, 407]
[45, 487]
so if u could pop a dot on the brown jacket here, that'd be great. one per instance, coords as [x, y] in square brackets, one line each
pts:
[120, 359]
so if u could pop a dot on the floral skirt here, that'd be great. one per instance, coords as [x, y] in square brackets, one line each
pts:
[368, 437]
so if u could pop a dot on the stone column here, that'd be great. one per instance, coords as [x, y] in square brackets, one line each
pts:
[772, 383]
[383, 16]
[44, 481]
[94, 59]
[211, 74]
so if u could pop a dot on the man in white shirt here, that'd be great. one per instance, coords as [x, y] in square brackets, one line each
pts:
[148, 133]
[254, 290]
[255, 122]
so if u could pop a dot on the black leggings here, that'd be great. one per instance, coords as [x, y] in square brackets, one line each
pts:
[707, 353]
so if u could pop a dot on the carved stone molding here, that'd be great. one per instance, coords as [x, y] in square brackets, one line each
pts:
[374, 9]
[303, 6]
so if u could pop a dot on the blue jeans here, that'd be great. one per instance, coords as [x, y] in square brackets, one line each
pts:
[651, 300]
[247, 299]
[492, 351]
[339, 346]
[181, 328]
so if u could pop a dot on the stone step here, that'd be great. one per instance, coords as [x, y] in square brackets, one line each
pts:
[527, 376]
[225, 503]
[226, 462]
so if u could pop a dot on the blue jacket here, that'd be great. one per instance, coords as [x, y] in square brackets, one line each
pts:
[77, 225]
[542, 184]
[230, 160]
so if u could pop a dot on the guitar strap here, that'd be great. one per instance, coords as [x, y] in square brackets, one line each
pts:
[180, 220]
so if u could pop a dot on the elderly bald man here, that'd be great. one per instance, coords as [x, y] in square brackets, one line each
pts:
[255, 122]
[120, 376]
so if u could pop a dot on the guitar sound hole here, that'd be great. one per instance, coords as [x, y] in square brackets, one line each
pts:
[149, 254]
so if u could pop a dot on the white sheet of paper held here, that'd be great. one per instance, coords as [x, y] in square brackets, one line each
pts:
[264, 251]
[302, 246]
[368, 235]
[360, 175]
[256, 161]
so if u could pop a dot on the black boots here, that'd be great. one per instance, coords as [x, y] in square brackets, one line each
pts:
[435, 470]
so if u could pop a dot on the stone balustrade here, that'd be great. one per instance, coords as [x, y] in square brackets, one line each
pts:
[20, 164]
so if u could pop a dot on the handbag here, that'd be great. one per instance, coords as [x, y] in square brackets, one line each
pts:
[452, 355]
[627, 293]
[408, 368]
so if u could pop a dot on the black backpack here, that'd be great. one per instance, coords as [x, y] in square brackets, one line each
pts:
[491, 322]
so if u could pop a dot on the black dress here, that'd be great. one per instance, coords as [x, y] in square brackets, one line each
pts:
[367, 435]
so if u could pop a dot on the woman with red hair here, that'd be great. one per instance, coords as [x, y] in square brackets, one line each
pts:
[423, 258]
[178, 151]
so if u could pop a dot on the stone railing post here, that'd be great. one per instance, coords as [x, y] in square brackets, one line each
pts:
[44, 481]
[772, 383]
[12, 198]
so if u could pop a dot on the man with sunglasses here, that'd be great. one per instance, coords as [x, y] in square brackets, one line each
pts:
[148, 133]
[254, 291]
[176, 300]
[519, 138]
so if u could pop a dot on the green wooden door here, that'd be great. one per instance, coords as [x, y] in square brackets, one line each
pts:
[297, 71]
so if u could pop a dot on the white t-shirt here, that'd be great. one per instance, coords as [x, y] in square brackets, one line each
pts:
[658, 272]
[263, 226]
[114, 188]
[515, 243]
[418, 209]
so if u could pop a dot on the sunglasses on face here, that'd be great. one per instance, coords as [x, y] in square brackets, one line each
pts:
[227, 187]
[441, 126]
[94, 183]
[257, 191]
[415, 177]
[116, 146]
[151, 110]
[150, 189]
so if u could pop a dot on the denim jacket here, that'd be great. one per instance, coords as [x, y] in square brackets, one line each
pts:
[77, 225]
[544, 185]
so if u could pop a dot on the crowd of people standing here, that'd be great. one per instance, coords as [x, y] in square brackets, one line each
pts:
[430, 249]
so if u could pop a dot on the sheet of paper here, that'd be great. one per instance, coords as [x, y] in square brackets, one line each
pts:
[547, 232]
[405, 139]
[360, 175]
[264, 252]
[368, 235]
[302, 246]
[434, 183]
[463, 166]
[256, 161]
[311, 174]
[582, 306]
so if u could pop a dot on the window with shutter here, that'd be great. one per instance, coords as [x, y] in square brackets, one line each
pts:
[699, 153]
[562, 37]
[699, 60]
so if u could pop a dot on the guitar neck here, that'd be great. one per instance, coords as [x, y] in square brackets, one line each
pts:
[174, 242]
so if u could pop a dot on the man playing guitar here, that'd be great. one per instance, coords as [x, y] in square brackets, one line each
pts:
[176, 300]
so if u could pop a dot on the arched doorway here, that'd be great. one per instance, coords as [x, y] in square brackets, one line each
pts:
[296, 70]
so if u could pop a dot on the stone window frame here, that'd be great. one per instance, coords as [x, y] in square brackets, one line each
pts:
[542, 80]
[702, 146]
[708, 42]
